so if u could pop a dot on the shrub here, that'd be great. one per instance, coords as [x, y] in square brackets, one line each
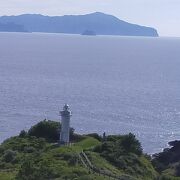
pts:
[9, 156]
[177, 170]
[2, 150]
[73, 161]
[29, 149]
[98, 148]
[122, 151]
[131, 144]
[120, 145]
[75, 137]
[31, 171]
[169, 156]
[50, 130]
[23, 134]
[2, 165]
[46, 129]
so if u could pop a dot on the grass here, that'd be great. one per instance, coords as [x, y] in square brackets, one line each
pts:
[62, 161]
[87, 143]
[7, 175]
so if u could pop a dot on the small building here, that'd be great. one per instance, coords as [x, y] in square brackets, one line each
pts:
[65, 124]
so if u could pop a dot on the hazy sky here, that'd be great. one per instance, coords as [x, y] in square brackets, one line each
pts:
[164, 15]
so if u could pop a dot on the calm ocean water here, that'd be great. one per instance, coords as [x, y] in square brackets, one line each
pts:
[113, 84]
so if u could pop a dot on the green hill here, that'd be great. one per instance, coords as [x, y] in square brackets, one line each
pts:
[27, 157]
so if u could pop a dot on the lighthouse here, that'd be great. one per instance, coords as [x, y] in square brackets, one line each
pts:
[65, 124]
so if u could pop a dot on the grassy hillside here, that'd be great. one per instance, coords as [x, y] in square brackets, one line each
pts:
[28, 157]
[31, 156]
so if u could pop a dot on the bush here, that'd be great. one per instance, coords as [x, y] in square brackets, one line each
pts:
[30, 171]
[177, 170]
[169, 156]
[122, 151]
[9, 156]
[120, 145]
[131, 144]
[73, 160]
[50, 130]
[23, 134]
[2, 150]
[29, 149]
[98, 148]
[46, 129]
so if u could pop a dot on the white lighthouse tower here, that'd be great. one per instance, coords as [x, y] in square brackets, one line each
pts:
[65, 124]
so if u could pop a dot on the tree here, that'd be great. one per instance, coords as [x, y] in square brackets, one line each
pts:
[131, 144]
[23, 134]
[9, 156]
[46, 129]
[50, 130]
[121, 150]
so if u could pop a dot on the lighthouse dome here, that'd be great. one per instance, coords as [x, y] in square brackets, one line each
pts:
[66, 107]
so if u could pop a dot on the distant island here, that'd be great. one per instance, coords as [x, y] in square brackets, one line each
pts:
[89, 33]
[99, 23]
[11, 27]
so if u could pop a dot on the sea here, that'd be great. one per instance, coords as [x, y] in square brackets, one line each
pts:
[112, 84]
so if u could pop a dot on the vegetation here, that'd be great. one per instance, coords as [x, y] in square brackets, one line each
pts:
[125, 153]
[50, 130]
[36, 155]
[168, 162]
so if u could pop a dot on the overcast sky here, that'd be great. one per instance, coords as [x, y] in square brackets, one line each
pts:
[164, 15]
